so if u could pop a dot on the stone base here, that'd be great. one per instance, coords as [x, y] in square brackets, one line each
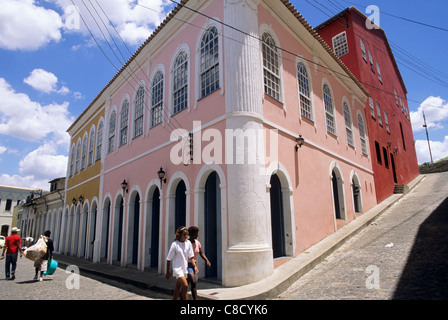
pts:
[246, 264]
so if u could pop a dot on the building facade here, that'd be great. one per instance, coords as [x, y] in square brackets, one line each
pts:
[363, 47]
[234, 116]
[10, 197]
[43, 210]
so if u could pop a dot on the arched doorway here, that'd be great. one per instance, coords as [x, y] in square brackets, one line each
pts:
[83, 231]
[155, 222]
[180, 205]
[105, 230]
[338, 196]
[277, 218]
[212, 226]
[356, 192]
[118, 229]
[92, 230]
[133, 229]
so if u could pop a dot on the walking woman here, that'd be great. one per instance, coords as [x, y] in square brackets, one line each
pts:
[197, 250]
[181, 250]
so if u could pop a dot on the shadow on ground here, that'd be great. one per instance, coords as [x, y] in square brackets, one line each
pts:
[425, 275]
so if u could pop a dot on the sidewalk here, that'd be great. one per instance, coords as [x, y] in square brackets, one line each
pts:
[268, 288]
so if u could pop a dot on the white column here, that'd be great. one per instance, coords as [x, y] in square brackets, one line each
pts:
[249, 256]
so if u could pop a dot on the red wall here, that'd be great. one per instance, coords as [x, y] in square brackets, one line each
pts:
[405, 158]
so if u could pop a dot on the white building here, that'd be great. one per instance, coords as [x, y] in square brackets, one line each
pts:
[9, 198]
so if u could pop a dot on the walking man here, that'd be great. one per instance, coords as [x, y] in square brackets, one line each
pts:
[12, 247]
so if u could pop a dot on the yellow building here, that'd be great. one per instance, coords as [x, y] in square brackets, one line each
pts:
[83, 182]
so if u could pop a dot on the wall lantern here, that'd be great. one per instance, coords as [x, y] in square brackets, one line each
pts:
[161, 175]
[74, 201]
[81, 199]
[300, 141]
[124, 186]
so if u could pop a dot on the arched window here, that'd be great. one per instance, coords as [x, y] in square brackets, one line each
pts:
[304, 91]
[209, 62]
[84, 152]
[72, 161]
[348, 124]
[78, 154]
[180, 82]
[157, 99]
[138, 111]
[124, 117]
[91, 146]
[362, 134]
[99, 141]
[271, 66]
[329, 110]
[111, 139]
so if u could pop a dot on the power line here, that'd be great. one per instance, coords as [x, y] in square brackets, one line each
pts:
[402, 18]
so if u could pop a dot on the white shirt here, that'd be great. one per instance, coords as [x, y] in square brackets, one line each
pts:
[179, 254]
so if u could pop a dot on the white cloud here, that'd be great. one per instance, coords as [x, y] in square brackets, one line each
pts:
[439, 150]
[3, 149]
[134, 22]
[133, 34]
[28, 120]
[24, 182]
[44, 162]
[27, 26]
[436, 113]
[42, 80]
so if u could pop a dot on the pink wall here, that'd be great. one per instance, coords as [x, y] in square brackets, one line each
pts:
[309, 168]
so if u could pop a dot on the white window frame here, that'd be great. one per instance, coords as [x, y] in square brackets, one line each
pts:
[372, 108]
[137, 117]
[205, 68]
[348, 123]
[302, 94]
[157, 105]
[84, 151]
[363, 49]
[99, 140]
[340, 44]
[215, 22]
[124, 123]
[329, 107]
[378, 112]
[111, 132]
[186, 83]
[362, 134]
[379, 72]
[371, 62]
[91, 152]
[386, 121]
[271, 71]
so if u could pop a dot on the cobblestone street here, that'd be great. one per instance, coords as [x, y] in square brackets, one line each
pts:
[401, 255]
[62, 286]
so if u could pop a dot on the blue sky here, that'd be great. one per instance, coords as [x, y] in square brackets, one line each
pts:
[51, 69]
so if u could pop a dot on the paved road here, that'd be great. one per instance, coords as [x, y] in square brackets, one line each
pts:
[402, 255]
[64, 286]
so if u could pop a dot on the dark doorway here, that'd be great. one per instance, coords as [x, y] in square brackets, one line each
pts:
[136, 217]
[212, 230]
[392, 162]
[277, 218]
[337, 206]
[180, 215]
[155, 228]
[120, 229]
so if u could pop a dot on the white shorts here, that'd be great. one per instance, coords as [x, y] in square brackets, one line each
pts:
[178, 272]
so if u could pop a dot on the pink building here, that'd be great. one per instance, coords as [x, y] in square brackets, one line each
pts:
[275, 126]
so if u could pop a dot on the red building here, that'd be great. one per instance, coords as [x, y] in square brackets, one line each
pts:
[363, 47]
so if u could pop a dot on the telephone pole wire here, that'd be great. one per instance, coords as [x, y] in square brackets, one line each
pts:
[427, 136]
